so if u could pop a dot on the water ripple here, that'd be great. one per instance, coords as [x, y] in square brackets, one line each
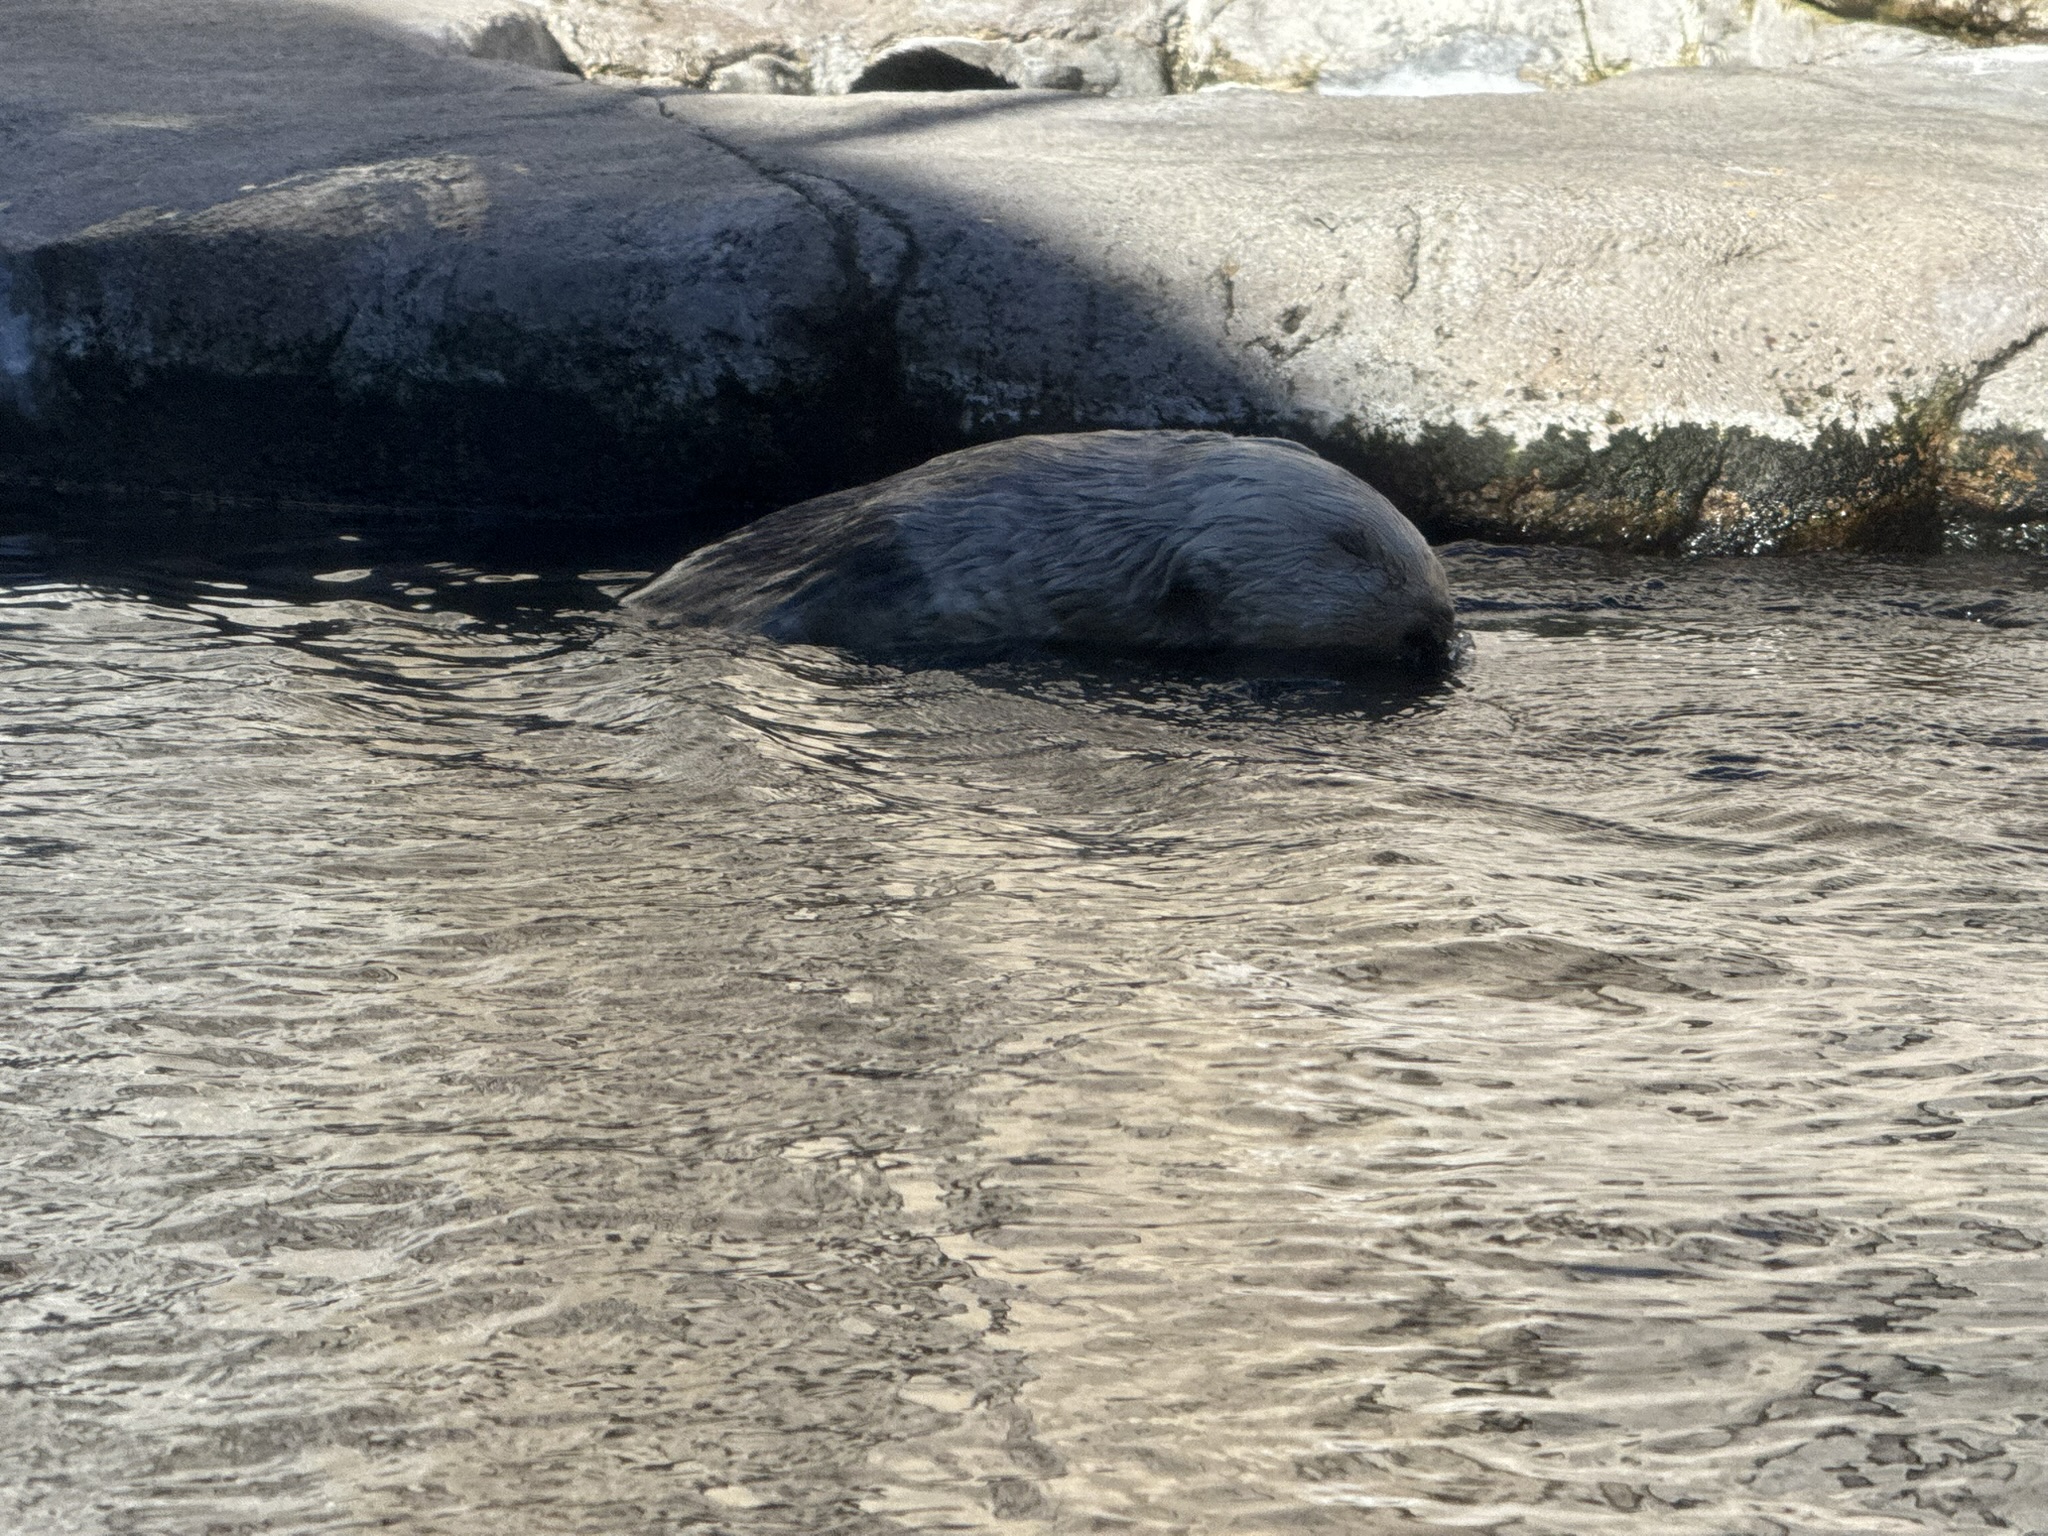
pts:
[478, 1066]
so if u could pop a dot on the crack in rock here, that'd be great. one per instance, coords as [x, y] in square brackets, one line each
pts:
[1989, 369]
[1991, 474]
[875, 243]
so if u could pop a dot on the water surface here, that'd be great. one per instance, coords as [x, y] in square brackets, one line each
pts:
[475, 1066]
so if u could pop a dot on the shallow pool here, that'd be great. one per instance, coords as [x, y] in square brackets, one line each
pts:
[477, 1066]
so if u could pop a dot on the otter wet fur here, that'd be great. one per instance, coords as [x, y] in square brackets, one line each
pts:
[1178, 542]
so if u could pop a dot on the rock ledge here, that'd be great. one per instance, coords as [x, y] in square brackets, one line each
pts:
[1710, 310]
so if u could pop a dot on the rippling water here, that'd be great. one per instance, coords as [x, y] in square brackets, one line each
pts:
[478, 1067]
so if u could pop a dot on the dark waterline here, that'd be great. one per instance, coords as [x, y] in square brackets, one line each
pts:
[475, 1065]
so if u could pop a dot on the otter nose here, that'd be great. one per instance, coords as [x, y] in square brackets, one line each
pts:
[1427, 647]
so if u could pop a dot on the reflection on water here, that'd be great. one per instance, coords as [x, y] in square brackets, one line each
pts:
[477, 1067]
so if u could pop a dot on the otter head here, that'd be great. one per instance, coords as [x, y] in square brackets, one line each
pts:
[1303, 557]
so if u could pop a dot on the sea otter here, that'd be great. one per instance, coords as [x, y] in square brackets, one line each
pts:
[1124, 541]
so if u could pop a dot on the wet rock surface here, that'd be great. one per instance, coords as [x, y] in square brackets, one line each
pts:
[275, 251]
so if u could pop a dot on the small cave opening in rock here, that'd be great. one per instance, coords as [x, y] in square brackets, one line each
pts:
[927, 69]
[522, 40]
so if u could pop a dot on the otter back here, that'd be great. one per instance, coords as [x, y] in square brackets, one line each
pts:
[1164, 541]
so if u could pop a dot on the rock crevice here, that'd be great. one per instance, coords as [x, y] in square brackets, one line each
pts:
[878, 256]
[1991, 457]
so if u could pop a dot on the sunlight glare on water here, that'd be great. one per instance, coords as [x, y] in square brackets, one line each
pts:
[478, 1066]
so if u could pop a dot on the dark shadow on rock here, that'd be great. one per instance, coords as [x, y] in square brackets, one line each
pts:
[312, 269]
[522, 38]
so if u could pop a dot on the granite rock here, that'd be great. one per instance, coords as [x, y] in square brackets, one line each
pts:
[508, 33]
[272, 249]
[1702, 309]
[1140, 47]
[262, 249]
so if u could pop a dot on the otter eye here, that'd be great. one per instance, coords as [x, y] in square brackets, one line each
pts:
[1186, 604]
[1356, 543]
